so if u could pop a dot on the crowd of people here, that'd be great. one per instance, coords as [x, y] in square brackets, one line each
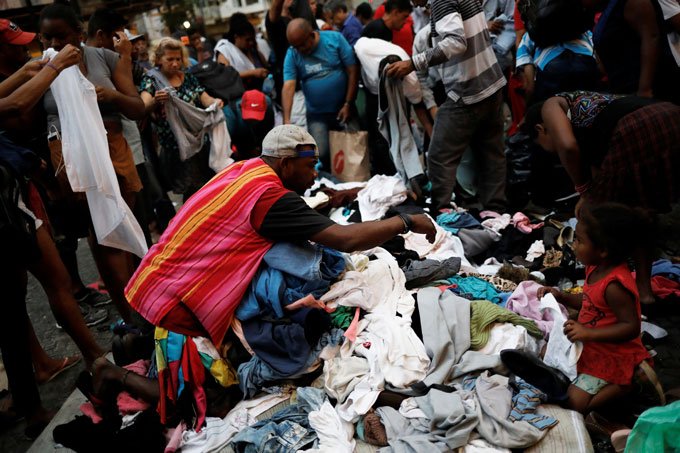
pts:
[420, 308]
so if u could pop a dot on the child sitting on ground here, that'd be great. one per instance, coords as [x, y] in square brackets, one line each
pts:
[609, 317]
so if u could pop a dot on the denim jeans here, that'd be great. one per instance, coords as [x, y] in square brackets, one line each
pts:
[289, 272]
[306, 261]
[479, 126]
[318, 125]
[287, 431]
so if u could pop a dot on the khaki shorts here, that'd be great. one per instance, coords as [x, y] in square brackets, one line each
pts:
[589, 384]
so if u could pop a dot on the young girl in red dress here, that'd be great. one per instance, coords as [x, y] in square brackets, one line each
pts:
[609, 318]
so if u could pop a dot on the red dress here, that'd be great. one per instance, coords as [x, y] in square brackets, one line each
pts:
[613, 362]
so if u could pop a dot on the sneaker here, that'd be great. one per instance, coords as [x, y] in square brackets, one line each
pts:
[92, 316]
[92, 298]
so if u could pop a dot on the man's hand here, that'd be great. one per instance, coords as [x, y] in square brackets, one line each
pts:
[495, 26]
[575, 331]
[122, 44]
[423, 225]
[400, 69]
[345, 113]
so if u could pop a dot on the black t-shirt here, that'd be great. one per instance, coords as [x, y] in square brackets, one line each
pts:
[291, 219]
[377, 29]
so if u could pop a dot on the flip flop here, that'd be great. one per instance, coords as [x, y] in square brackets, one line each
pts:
[69, 362]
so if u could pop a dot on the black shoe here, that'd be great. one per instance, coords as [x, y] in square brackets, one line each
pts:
[92, 297]
[529, 367]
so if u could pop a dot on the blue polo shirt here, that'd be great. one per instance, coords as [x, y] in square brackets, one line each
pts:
[321, 73]
[351, 29]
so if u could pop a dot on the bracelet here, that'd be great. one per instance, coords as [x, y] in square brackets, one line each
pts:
[408, 222]
[125, 377]
[583, 188]
[49, 64]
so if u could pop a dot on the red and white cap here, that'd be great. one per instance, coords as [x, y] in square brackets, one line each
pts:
[253, 105]
[10, 33]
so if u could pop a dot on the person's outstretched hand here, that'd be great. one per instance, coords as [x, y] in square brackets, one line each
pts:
[423, 225]
[543, 290]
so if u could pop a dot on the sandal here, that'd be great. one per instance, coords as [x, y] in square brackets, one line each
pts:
[648, 381]
[69, 362]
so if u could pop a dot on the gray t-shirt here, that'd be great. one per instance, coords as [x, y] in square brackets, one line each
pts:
[101, 64]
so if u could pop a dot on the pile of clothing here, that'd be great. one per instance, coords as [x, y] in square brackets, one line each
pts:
[400, 346]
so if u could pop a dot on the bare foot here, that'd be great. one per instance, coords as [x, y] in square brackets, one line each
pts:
[307, 301]
[105, 373]
[45, 372]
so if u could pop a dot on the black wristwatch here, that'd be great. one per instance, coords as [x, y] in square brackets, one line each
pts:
[408, 222]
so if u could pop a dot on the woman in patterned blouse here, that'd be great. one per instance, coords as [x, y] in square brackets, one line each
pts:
[170, 57]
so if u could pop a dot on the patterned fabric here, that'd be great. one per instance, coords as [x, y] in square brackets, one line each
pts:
[584, 106]
[613, 362]
[528, 53]
[640, 167]
[181, 362]
[501, 284]
[193, 172]
[524, 405]
[209, 253]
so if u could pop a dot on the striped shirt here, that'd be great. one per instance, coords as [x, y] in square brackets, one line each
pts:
[209, 253]
[528, 53]
[461, 46]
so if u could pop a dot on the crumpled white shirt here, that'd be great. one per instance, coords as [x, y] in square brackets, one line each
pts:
[380, 194]
[335, 434]
[88, 163]
[445, 245]
[379, 287]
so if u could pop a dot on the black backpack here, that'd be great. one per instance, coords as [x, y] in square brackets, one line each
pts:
[551, 22]
[220, 81]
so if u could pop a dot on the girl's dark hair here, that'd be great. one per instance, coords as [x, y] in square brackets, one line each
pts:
[61, 10]
[617, 228]
[532, 117]
[239, 25]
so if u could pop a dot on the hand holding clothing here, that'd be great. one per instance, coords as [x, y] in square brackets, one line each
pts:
[543, 290]
[161, 97]
[400, 69]
[576, 331]
[67, 57]
[423, 225]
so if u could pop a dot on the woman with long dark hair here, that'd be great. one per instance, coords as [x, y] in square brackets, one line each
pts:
[239, 50]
